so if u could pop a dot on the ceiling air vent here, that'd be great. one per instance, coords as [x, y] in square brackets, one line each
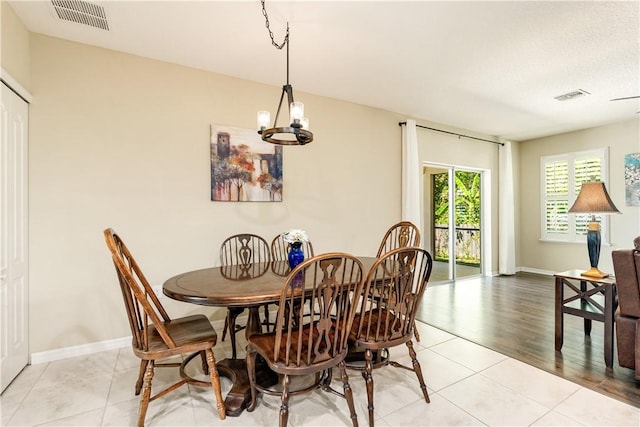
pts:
[571, 95]
[81, 12]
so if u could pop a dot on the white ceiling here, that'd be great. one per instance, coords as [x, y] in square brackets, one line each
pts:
[488, 67]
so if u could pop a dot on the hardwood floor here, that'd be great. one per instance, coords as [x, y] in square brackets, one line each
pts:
[514, 315]
[440, 271]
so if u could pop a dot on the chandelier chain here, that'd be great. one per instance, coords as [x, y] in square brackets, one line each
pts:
[273, 41]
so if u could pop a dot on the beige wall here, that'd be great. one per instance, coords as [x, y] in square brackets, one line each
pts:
[621, 138]
[121, 141]
[15, 46]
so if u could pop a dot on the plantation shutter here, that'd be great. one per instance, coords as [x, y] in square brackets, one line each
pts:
[562, 177]
[587, 169]
[556, 196]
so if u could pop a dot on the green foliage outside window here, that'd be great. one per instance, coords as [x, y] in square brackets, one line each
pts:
[467, 199]
[467, 216]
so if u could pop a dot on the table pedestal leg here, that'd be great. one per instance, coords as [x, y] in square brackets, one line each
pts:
[254, 326]
[236, 370]
[240, 393]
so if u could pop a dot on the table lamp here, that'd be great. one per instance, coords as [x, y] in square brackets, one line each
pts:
[593, 199]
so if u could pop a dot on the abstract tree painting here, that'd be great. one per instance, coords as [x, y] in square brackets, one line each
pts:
[243, 167]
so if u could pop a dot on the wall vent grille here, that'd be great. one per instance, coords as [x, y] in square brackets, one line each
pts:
[571, 95]
[81, 12]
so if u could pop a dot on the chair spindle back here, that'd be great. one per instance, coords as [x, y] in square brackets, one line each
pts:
[141, 303]
[391, 295]
[325, 286]
[400, 235]
[242, 249]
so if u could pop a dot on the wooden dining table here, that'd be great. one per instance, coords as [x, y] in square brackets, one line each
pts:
[248, 286]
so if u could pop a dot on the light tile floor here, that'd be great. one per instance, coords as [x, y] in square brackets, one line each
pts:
[468, 385]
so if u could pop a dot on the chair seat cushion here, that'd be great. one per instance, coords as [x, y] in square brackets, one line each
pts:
[194, 332]
[312, 359]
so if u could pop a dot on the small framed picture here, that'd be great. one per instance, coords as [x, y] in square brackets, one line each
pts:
[632, 179]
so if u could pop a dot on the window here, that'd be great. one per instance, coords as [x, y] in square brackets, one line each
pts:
[562, 176]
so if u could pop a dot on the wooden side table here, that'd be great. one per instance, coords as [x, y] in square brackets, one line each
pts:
[592, 299]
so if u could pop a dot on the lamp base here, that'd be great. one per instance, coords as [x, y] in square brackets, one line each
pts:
[594, 272]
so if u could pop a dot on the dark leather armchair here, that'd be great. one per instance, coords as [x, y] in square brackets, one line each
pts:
[626, 265]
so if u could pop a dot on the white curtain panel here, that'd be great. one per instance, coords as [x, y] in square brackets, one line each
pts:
[506, 212]
[411, 173]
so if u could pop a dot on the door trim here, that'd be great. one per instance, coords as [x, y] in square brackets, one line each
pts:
[16, 87]
[485, 211]
[15, 225]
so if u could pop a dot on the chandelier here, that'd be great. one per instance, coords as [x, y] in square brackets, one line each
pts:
[297, 133]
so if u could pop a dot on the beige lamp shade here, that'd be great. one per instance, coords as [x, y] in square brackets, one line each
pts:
[593, 198]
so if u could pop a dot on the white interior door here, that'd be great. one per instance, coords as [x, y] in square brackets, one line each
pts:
[14, 345]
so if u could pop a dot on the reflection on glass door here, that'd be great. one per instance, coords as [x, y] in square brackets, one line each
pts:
[443, 268]
[467, 223]
[455, 222]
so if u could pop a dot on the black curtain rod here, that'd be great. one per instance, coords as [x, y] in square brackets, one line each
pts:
[453, 133]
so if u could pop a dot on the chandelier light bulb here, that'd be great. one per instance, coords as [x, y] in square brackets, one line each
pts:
[304, 122]
[264, 117]
[296, 110]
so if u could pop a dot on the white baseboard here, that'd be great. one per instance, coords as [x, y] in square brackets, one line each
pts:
[536, 271]
[79, 350]
[95, 347]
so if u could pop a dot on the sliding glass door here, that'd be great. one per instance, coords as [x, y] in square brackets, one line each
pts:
[454, 213]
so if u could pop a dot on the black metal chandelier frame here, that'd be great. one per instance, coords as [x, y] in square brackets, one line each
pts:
[275, 134]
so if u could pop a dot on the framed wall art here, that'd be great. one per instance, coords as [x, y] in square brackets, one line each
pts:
[632, 179]
[244, 168]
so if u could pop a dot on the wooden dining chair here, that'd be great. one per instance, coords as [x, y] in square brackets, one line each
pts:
[332, 282]
[241, 249]
[156, 336]
[400, 235]
[387, 310]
